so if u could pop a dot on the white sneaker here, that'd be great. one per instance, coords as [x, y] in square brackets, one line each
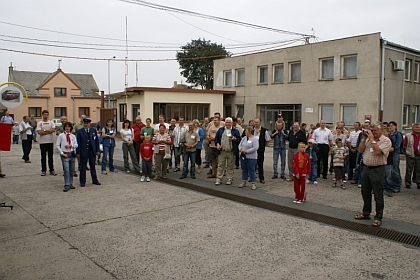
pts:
[229, 182]
[315, 182]
[295, 201]
[343, 186]
[217, 182]
[127, 171]
[299, 202]
[359, 186]
[307, 181]
[254, 187]
[142, 179]
[148, 179]
[241, 185]
[103, 172]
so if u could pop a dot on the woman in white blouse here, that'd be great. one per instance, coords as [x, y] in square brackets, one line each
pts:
[66, 144]
[127, 136]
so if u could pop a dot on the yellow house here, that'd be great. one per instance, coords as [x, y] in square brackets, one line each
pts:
[150, 102]
[61, 94]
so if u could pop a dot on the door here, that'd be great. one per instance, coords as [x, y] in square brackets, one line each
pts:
[269, 120]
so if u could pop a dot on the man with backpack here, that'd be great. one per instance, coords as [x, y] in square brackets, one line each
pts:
[397, 140]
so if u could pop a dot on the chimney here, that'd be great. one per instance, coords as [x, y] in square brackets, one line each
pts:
[175, 84]
[11, 67]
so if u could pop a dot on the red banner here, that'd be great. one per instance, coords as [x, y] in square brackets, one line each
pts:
[5, 136]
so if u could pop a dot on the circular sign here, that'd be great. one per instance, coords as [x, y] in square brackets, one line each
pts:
[11, 96]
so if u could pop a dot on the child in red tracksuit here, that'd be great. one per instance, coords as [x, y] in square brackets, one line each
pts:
[301, 169]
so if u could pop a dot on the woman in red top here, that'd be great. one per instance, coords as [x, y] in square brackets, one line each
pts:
[301, 168]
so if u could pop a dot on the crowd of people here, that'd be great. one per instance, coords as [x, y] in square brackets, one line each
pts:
[368, 155]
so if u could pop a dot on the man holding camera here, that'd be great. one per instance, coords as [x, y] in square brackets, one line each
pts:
[375, 148]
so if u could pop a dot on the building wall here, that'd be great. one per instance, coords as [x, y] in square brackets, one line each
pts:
[311, 92]
[399, 92]
[147, 98]
[71, 104]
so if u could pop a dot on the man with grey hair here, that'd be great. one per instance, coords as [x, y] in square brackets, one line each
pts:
[375, 148]
[227, 141]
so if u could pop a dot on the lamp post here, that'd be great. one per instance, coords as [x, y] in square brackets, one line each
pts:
[109, 81]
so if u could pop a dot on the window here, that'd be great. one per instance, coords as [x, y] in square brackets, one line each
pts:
[228, 111]
[263, 75]
[348, 114]
[189, 111]
[239, 111]
[407, 69]
[416, 72]
[35, 111]
[227, 78]
[349, 66]
[59, 92]
[414, 110]
[327, 69]
[60, 111]
[405, 115]
[327, 113]
[278, 73]
[135, 108]
[123, 110]
[240, 77]
[84, 111]
[295, 72]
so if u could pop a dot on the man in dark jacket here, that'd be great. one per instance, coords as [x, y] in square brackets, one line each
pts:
[296, 135]
[279, 135]
[263, 138]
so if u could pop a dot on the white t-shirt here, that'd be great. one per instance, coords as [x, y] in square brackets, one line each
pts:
[127, 134]
[44, 139]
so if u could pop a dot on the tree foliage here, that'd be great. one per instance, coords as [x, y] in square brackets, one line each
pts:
[196, 61]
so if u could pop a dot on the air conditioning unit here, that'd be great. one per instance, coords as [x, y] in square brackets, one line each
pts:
[398, 65]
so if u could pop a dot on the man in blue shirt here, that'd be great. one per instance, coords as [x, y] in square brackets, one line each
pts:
[396, 139]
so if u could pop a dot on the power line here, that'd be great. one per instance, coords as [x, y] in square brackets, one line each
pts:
[181, 11]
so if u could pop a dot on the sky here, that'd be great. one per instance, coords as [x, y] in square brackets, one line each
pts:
[156, 34]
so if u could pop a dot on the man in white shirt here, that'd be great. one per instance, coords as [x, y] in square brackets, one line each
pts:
[161, 121]
[45, 129]
[178, 131]
[352, 145]
[25, 130]
[323, 137]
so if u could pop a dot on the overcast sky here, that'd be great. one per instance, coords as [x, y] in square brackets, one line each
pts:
[396, 20]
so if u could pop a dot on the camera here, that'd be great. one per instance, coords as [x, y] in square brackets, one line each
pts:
[365, 133]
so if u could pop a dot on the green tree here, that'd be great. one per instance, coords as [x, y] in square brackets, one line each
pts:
[196, 60]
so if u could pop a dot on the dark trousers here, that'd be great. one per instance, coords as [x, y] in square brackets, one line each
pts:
[198, 156]
[15, 139]
[260, 164]
[324, 149]
[47, 148]
[373, 180]
[137, 150]
[27, 147]
[91, 158]
[352, 165]
[237, 160]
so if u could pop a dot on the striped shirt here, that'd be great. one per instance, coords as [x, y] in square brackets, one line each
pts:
[372, 159]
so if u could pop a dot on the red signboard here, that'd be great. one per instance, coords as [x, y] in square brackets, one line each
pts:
[5, 136]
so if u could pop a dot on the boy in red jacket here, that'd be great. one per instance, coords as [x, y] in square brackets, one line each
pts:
[146, 152]
[301, 168]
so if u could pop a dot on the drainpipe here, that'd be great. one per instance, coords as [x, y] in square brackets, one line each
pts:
[381, 110]
[402, 95]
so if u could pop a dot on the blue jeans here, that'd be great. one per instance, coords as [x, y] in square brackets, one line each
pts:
[108, 151]
[346, 164]
[276, 154]
[396, 174]
[15, 139]
[248, 169]
[314, 172]
[388, 177]
[68, 169]
[146, 167]
[189, 156]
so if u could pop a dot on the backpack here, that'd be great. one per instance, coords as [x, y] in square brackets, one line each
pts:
[402, 149]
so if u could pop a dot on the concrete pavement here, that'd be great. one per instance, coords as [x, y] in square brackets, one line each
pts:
[125, 229]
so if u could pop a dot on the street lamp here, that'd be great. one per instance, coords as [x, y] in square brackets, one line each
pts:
[109, 81]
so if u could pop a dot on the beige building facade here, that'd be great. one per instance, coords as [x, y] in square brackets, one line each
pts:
[346, 80]
[150, 102]
[61, 94]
